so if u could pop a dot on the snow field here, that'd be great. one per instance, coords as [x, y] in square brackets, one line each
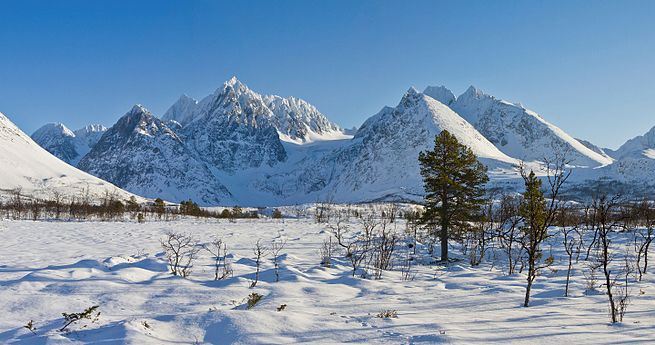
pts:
[47, 268]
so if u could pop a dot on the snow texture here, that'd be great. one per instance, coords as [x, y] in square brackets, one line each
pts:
[67, 267]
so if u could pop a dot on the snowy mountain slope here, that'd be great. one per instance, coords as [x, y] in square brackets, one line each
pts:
[295, 119]
[642, 146]
[381, 161]
[142, 154]
[633, 168]
[605, 152]
[300, 122]
[181, 111]
[519, 132]
[65, 144]
[26, 165]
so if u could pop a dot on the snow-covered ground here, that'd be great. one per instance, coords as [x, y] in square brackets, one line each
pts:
[50, 268]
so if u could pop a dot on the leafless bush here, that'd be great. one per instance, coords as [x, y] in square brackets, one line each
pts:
[222, 266]
[572, 241]
[591, 276]
[388, 314]
[356, 247]
[253, 299]
[260, 252]
[326, 252]
[509, 232]
[605, 208]
[406, 265]
[276, 248]
[623, 291]
[383, 246]
[30, 326]
[644, 236]
[181, 251]
[87, 314]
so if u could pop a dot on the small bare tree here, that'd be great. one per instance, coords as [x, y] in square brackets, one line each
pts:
[605, 209]
[571, 239]
[260, 252]
[384, 245]
[181, 250]
[508, 221]
[644, 235]
[356, 247]
[218, 251]
[276, 248]
[326, 252]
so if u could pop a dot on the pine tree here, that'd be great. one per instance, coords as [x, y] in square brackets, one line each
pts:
[534, 213]
[454, 183]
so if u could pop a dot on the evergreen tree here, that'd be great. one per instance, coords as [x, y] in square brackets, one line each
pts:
[534, 213]
[454, 183]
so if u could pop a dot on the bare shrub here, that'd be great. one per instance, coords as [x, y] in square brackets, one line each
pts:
[356, 247]
[388, 314]
[222, 266]
[181, 250]
[87, 314]
[276, 248]
[30, 326]
[383, 246]
[325, 252]
[253, 299]
[260, 252]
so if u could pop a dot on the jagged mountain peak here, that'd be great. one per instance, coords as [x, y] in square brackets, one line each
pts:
[473, 91]
[140, 121]
[295, 119]
[141, 153]
[441, 94]
[234, 85]
[92, 128]
[234, 81]
[182, 110]
[138, 109]
[411, 97]
[54, 128]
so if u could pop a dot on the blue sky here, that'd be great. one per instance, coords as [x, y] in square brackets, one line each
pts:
[587, 66]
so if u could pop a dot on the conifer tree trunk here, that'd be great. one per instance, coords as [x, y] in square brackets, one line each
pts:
[444, 242]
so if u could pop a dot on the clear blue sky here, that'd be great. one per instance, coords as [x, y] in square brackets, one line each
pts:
[587, 66]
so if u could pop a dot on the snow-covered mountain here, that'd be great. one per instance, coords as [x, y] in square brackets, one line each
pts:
[605, 152]
[381, 161]
[634, 165]
[232, 129]
[300, 122]
[236, 146]
[140, 153]
[441, 94]
[65, 144]
[182, 110]
[519, 132]
[295, 119]
[26, 165]
[642, 146]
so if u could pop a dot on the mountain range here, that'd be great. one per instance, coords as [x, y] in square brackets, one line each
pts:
[27, 168]
[236, 146]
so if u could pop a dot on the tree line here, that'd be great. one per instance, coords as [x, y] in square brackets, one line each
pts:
[110, 207]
